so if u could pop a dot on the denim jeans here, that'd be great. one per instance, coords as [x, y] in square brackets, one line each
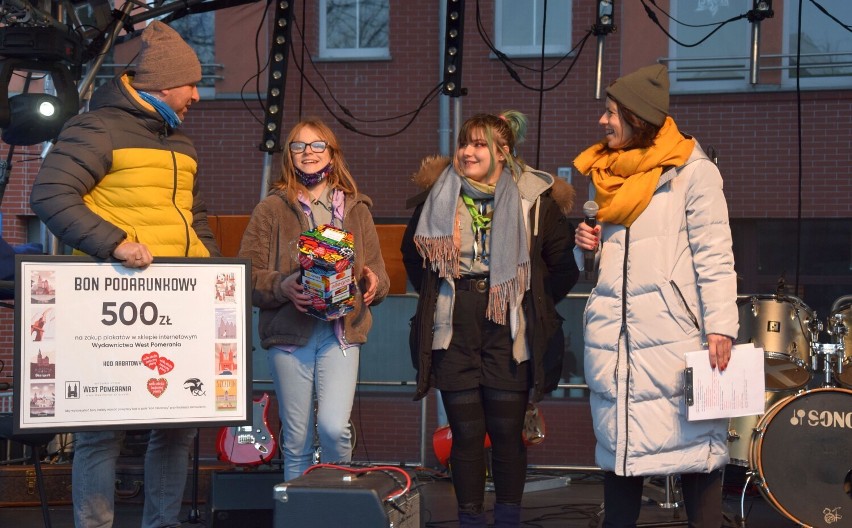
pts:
[322, 364]
[93, 477]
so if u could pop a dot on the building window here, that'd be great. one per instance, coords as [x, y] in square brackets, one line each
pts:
[826, 50]
[354, 29]
[722, 62]
[198, 31]
[518, 27]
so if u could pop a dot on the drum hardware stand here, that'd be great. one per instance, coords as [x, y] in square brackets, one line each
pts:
[742, 521]
[671, 501]
[828, 358]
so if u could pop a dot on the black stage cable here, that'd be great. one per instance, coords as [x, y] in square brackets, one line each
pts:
[259, 70]
[541, 86]
[655, 20]
[508, 63]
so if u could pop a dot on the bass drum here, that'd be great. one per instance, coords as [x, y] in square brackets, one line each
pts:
[802, 459]
[778, 325]
[742, 428]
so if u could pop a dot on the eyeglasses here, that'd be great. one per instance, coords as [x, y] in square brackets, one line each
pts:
[297, 147]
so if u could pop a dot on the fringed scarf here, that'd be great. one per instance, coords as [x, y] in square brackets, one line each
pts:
[438, 239]
[625, 180]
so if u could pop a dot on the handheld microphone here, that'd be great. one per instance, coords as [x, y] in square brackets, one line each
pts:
[590, 211]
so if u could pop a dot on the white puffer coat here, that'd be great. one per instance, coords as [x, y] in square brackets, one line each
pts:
[664, 284]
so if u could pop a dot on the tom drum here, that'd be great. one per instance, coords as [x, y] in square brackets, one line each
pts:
[802, 459]
[779, 326]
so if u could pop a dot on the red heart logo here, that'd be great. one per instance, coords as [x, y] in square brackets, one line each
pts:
[164, 365]
[157, 386]
[150, 360]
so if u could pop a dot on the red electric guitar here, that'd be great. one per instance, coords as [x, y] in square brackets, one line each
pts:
[250, 445]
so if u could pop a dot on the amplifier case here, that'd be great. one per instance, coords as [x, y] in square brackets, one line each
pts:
[242, 499]
[328, 498]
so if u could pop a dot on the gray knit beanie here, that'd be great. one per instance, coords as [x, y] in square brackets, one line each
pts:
[166, 61]
[644, 92]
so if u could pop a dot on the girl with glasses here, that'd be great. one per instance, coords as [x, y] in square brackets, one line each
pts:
[305, 353]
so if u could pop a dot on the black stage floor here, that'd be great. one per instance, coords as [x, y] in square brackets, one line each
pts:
[553, 500]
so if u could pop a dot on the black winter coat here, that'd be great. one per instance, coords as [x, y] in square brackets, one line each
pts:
[553, 274]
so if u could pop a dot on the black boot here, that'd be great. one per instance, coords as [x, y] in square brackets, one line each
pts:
[507, 515]
[471, 516]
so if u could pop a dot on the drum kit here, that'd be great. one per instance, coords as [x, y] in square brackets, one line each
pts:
[799, 452]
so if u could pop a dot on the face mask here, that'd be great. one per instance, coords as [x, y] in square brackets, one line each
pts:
[309, 180]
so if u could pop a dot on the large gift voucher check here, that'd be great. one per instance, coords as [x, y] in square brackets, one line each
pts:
[99, 345]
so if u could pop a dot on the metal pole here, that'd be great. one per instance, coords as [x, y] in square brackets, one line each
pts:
[599, 66]
[265, 176]
[755, 52]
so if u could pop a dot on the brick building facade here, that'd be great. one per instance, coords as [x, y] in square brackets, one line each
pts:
[790, 213]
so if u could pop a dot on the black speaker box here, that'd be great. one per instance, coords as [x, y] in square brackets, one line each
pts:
[243, 499]
[331, 498]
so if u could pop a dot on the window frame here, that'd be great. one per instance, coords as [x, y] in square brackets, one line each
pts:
[788, 80]
[774, 65]
[348, 53]
[532, 50]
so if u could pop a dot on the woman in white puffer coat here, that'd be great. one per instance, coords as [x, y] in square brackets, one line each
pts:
[666, 286]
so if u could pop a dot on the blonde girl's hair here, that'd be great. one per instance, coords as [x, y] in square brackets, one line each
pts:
[339, 178]
[507, 129]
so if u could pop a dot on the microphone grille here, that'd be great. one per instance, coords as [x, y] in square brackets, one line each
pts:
[590, 208]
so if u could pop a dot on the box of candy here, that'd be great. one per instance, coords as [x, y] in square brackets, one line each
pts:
[327, 258]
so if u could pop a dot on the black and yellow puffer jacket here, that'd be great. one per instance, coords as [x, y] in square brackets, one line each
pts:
[119, 171]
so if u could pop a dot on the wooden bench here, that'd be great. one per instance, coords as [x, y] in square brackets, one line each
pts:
[228, 230]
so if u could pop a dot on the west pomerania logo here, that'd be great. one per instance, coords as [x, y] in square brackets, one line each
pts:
[822, 418]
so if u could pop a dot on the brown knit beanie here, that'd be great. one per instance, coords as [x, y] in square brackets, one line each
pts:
[166, 61]
[644, 92]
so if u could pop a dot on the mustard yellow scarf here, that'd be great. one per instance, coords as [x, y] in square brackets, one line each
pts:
[625, 180]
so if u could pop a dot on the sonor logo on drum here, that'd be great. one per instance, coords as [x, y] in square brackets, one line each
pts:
[773, 326]
[817, 418]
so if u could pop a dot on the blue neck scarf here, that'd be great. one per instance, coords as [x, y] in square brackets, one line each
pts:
[162, 108]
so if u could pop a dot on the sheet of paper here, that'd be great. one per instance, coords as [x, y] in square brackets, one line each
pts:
[736, 391]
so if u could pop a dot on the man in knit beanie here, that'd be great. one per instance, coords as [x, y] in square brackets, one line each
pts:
[167, 71]
[165, 60]
[120, 184]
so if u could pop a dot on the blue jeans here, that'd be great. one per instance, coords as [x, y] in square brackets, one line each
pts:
[322, 364]
[93, 477]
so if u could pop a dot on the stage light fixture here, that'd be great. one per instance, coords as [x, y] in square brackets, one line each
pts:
[605, 20]
[35, 118]
[453, 49]
[760, 10]
[277, 79]
[30, 118]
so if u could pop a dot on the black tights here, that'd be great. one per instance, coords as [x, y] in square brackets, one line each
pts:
[702, 497]
[501, 413]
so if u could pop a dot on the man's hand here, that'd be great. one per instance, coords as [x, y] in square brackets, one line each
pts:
[133, 254]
